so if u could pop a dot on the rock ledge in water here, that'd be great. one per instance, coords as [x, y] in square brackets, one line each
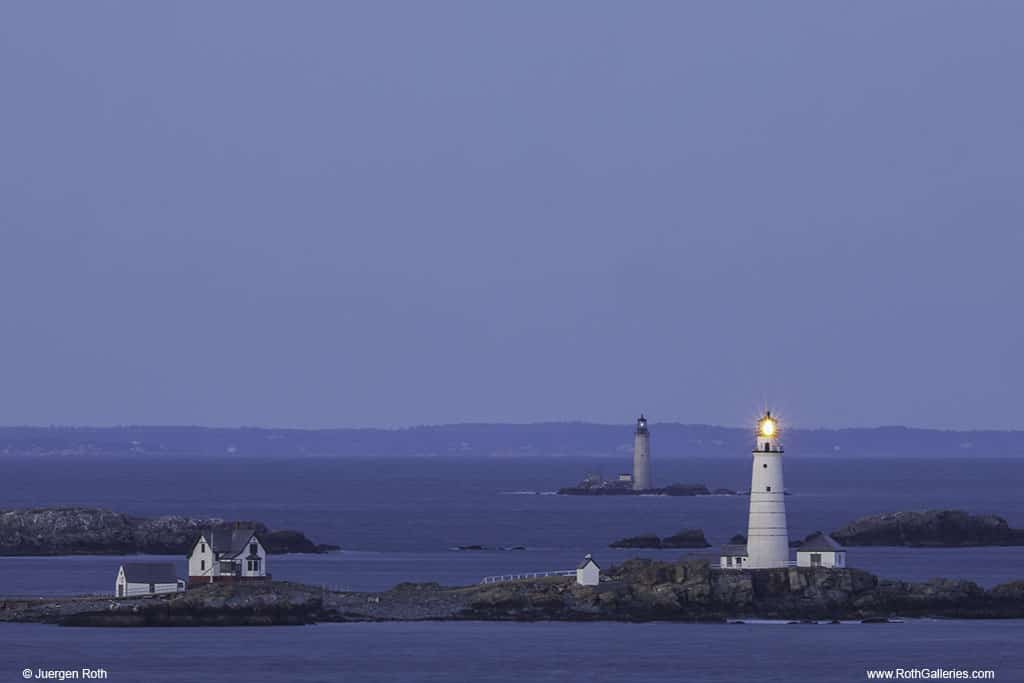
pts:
[95, 531]
[932, 528]
[686, 538]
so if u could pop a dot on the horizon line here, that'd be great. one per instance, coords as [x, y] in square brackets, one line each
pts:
[491, 424]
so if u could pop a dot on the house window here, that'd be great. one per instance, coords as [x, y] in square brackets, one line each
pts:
[202, 565]
[202, 547]
[253, 549]
[815, 559]
[152, 588]
[728, 562]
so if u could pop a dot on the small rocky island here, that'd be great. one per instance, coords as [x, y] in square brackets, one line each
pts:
[929, 529]
[594, 485]
[686, 538]
[95, 531]
[636, 590]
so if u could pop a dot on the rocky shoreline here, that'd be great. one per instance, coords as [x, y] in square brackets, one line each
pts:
[929, 529]
[637, 590]
[96, 531]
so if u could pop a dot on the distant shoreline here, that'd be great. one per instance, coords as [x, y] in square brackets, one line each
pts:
[669, 441]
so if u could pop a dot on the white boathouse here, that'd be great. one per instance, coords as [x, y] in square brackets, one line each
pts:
[146, 578]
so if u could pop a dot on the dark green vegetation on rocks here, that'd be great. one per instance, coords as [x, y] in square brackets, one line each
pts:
[932, 528]
[636, 590]
[95, 531]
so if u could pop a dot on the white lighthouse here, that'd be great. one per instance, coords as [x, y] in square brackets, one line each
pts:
[767, 535]
[641, 456]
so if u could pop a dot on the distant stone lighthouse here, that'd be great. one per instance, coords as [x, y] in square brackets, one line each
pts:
[767, 535]
[641, 456]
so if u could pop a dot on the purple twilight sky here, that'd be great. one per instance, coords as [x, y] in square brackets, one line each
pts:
[396, 213]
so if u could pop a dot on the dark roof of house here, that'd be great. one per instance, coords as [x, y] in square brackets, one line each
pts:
[819, 542]
[734, 550]
[587, 560]
[149, 572]
[225, 541]
[229, 542]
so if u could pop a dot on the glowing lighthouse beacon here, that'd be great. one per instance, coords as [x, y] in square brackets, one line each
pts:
[767, 535]
[641, 456]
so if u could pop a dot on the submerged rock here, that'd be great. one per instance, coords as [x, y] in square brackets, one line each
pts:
[932, 528]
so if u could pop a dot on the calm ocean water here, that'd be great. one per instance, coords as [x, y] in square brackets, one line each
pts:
[397, 519]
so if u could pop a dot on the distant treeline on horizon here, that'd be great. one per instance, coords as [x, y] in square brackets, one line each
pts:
[668, 440]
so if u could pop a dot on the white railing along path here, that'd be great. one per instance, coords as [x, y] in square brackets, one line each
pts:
[527, 575]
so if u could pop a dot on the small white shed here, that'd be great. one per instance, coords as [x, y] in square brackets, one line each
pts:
[733, 556]
[588, 573]
[820, 550]
[146, 578]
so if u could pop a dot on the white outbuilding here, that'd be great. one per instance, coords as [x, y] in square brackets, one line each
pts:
[733, 556]
[820, 550]
[146, 578]
[588, 573]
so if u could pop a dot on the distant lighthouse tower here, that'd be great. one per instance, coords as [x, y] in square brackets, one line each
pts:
[767, 535]
[641, 456]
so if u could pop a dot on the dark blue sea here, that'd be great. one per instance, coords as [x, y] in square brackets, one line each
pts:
[397, 520]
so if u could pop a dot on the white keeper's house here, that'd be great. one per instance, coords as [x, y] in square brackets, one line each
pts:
[224, 555]
[146, 578]
[820, 550]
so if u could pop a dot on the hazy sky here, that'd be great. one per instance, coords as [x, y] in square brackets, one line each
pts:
[397, 213]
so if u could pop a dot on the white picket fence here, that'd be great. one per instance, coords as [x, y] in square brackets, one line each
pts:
[528, 575]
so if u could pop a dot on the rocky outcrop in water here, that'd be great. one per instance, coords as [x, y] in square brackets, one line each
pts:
[620, 489]
[95, 531]
[643, 590]
[933, 528]
[641, 541]
[637, 590]
[686, 538]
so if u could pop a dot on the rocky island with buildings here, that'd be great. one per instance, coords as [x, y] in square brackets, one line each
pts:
[636, 590]
[639, 481]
